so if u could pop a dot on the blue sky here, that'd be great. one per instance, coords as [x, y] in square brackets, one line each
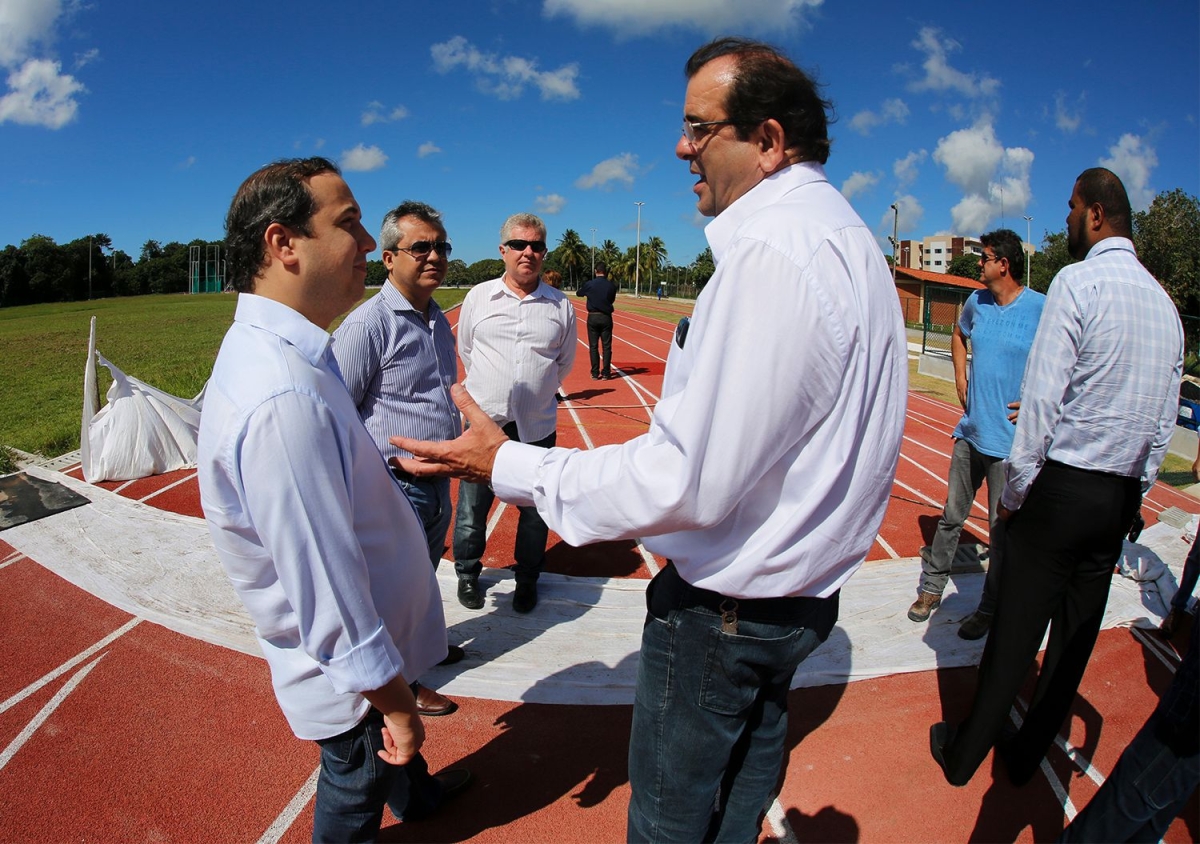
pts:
[140, 119]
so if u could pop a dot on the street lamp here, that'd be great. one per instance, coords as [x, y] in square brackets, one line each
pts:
[637, 265]
[593, 253]
[895, 234]
[1028, 254]
[89, 267]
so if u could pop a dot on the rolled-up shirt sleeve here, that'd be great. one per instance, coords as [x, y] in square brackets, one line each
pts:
[297, 494]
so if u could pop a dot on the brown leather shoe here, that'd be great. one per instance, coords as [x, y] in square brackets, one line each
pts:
[923, 606]
[431, 704]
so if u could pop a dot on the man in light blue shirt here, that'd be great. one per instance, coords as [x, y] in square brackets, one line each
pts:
[317, 539]
[999, 322]
[396, 354]
[1098, 408]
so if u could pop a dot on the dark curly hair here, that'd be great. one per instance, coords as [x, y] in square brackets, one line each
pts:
[1006, 243]
[277, 193]
[768, 85]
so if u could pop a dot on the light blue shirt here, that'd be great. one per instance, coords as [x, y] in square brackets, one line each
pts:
[1101, 387]
[319, 541]
[1000, 338]
[399, 368]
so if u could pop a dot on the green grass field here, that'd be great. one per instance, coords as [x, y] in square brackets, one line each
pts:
[167, 341]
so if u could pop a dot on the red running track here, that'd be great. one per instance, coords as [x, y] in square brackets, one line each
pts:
[117, 729]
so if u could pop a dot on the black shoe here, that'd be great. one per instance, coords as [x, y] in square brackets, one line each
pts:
[468, 593]
[595, 376]
[453, 782]
[940, 735]
[525, 598]
[454, 654]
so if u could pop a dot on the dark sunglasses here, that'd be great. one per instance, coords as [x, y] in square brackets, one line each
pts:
[538, 246]
[421, 248]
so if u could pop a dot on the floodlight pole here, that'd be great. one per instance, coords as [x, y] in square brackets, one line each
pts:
[895, 234]
[593, 253]
[89, 267]
[637, 265]
[1028, 254]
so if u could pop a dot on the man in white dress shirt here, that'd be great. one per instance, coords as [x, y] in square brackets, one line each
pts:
[768, 463]
[1098, 406]
[516, 340]
[312, 529]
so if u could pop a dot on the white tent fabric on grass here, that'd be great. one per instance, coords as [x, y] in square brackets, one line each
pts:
[140, 431]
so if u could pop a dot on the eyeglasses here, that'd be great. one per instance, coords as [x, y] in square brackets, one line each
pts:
[538, 246]
[421, 248]
[983, 259]
[689, 128]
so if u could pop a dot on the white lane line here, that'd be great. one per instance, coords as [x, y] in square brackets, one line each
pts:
[68, 665]
[779, 824]
[1072, 753]
[121, 488]
[888, 548]
[292, 810]
[647, 557]
[1056, 784]
[587, 441]
[182, 480]
[45, 712]
[1166, 656]
[942, 481]
[15, 557]
[495, 519]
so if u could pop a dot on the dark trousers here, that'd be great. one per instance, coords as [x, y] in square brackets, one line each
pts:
[1059, 553]
[470, 527]
[600, 331]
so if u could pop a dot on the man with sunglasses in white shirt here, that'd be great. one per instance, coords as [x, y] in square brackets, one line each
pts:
[396, 354]
[516, 340]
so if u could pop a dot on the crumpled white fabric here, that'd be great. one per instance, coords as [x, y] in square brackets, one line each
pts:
[141, 430]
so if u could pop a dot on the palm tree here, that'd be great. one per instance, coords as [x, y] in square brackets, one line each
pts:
[654, 256]
[573, 254]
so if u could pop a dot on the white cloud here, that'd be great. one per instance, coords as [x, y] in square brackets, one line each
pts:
[551, 203]
[427, 149]
[186, 164]
[905, 169]
[362, 159]
[631, 18]
[505, 77]
[892, 111]
[40, 94]
[859, 182]
[621, 168]
[994, 180]
[1065, 119]
[1133, 159]
[940, 76]
[377, 113]
[85, 58]
[911, 214]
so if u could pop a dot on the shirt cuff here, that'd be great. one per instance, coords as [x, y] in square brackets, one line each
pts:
[369, 665]
[515, 472]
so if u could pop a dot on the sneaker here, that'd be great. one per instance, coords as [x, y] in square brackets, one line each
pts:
[923, 606]
[975, 626]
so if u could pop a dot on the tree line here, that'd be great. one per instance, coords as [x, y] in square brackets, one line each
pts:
[1167, 237]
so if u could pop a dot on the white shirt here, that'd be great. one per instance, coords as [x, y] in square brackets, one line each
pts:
[316, 536]
[516, 351]
[1101, 387]
[770, 458]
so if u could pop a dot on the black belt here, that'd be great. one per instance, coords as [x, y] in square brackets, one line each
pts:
[668, 591]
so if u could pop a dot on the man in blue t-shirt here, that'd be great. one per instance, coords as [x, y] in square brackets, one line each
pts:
[1000, 321]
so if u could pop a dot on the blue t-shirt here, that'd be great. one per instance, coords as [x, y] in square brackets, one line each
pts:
[1000, 340]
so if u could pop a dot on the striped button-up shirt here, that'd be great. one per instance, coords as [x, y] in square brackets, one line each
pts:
[1101, 387]
[516, 351]
[399, 367]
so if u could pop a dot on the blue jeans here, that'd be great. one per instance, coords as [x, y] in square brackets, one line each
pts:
[969, 468]
[709, 723]
[355, 784]
[431, 499]
[1145, 792]
[470, 527]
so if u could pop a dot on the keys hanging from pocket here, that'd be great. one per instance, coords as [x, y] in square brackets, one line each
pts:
[729, 621]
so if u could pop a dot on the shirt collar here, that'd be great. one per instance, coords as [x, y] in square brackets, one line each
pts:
[721, 230]
[1111, 243]
[395, 300]
[499, 289]
[278, 319]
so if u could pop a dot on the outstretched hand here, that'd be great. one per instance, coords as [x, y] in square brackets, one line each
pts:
[469, 457]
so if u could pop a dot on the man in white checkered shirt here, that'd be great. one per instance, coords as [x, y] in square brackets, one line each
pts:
[1098, 406]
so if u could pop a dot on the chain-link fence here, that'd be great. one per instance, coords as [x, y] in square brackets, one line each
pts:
[943, 305]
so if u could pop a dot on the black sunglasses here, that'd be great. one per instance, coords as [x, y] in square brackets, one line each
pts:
[421, 248]
[538, 246]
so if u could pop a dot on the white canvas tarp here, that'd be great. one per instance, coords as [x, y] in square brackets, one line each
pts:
[140, 431]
